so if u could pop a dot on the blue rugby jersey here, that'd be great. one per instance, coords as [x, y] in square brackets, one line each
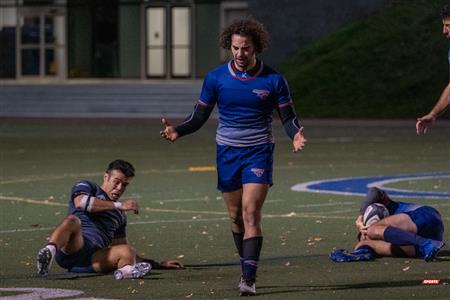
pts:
[245, 102]
[100, 227]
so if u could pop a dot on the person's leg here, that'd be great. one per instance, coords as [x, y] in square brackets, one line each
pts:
[122, 259]
[233, 201]
[115, 257]
[253, 199]
[67, 237]
[383, 248]
[401, 230]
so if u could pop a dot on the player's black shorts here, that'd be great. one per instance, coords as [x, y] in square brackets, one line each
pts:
[79, 262]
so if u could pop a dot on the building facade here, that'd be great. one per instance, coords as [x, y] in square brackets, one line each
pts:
[57, 40]
[139, 39]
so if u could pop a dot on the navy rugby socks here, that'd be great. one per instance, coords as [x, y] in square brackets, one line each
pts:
[251, 248]
[401, 237]
[238, 237]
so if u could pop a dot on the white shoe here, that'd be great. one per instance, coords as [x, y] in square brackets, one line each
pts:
[137, 270]
[44, 261]
[247, 288]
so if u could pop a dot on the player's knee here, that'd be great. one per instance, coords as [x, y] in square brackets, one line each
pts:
[375, 232]
[251, 218]
[72, 221]
[126, 251]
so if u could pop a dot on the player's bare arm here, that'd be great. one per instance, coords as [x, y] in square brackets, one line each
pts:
[93, 205]
[165, 264]
[426, 121]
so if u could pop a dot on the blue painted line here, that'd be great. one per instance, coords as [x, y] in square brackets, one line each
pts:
[358, 186]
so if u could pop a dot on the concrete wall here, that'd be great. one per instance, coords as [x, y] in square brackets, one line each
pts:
[294, 24]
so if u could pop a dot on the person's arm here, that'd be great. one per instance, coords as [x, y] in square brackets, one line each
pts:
[165, 264]
[426, 121]
[291, 125]
[191, 124]
[91, 204]
[374, 195]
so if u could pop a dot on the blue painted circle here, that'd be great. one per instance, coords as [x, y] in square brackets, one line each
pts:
[358, 186]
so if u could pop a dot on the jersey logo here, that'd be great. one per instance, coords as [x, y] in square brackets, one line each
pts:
[257, 172]
[261, 93]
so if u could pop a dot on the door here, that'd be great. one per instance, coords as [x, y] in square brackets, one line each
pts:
[41, 50]
[168, 42]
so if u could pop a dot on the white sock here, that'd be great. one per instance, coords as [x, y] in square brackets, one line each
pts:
[52, 249]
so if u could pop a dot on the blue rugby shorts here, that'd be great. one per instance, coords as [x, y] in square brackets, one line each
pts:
[428, 221]
[240, 165]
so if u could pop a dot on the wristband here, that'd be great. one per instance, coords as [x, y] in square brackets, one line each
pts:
[118, 205]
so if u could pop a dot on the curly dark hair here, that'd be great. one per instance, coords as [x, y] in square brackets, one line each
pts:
[248, 27]
[445, 12]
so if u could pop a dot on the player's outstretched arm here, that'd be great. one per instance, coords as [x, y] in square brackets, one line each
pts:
[169, 132]
[426, 121]
[165, 264]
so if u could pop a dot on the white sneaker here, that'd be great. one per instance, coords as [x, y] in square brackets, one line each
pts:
[44, 261]
[247, 288]
[241, 281]
[137, 270]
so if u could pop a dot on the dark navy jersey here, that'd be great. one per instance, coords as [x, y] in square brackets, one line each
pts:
[100, 227]
[376, 195]
[246, 102]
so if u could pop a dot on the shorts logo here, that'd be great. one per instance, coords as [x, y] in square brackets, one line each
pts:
[261, 93]
[257, 172]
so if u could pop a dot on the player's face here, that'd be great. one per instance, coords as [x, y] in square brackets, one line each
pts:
[114, 184]
[446, 27]
[243, 52]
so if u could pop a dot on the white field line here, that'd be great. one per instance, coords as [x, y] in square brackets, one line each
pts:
[319, 215]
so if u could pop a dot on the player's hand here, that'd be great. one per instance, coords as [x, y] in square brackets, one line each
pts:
[171, 264]
[299, 140]
[130, 205]
[423, 123]
[169, 133]
[359, 224]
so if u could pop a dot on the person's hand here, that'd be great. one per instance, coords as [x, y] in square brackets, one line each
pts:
[299, 140]
[130, 205]
[361, 227]
[171, 264]
[424, 122]
[169, 133]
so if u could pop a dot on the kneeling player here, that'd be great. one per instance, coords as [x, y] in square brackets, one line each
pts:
[410, 230]
[92, 237]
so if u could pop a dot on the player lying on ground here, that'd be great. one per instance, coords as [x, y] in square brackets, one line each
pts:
[92, 237]
[410, 230]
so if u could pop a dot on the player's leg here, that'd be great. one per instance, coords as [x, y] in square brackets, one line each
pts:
[122, 259]
[233, 201]
[253, 198]
[383, 248]
[67, 237]
[229, 182]
[404, 229]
